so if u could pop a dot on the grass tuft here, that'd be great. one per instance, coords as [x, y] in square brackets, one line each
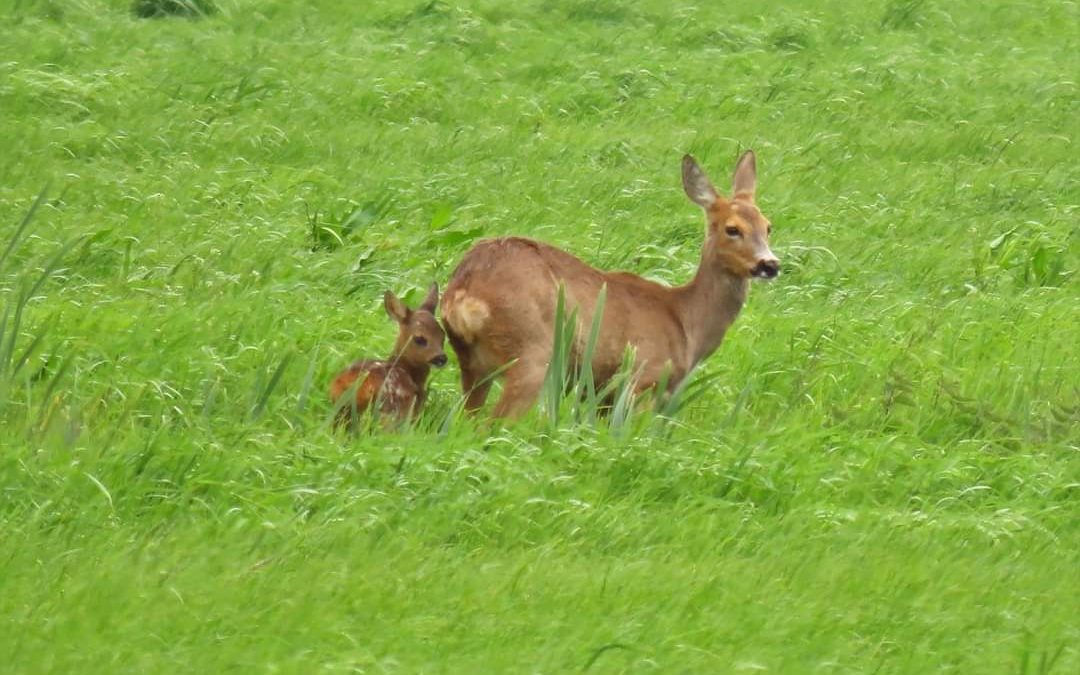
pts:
[154, 9]
[902, 14]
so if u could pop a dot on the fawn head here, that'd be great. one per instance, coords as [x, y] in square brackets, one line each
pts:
[420, 337]
[737, 234]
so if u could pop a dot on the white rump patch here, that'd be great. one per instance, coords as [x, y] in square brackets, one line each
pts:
[467, 315]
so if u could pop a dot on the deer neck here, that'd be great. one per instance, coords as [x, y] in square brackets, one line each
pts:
[418, 372]
[710, 303]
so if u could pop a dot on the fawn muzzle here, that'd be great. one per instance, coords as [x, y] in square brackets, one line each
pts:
[439, 361]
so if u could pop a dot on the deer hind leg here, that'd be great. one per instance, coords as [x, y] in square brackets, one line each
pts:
[354, 396]
[521, 386]
[475, 384]
[477, 388]
[343, 397]
[475, 379]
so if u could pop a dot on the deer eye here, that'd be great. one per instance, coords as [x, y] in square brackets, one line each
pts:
[768, 229]
[420, 341]
[732, 231]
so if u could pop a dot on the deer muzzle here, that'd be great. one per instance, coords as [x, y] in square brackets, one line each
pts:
[766, 268]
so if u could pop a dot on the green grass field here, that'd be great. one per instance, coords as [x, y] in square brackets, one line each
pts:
[881, 474]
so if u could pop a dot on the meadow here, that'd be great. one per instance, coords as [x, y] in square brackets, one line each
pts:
[878, 470]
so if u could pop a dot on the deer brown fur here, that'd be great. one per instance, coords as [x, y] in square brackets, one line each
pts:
[499, 307]
[398, 384]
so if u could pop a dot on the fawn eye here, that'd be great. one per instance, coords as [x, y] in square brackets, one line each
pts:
[420, 341]
[768, 229]
[732, 231]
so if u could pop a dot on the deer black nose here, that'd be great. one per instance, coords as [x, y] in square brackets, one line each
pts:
[766, 269]
[439, 361]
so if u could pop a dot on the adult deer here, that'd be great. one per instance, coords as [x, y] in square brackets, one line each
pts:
[499, 307]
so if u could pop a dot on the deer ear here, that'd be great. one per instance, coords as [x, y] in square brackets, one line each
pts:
[745, 175]
[696, 183]
[395, 308]
[432, 298]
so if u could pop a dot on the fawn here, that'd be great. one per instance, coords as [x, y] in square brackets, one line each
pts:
[499, 307]
[399, 384]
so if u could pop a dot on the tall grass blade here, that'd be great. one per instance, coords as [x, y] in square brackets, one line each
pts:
[5, 356]
[740, 402]
[309, 378]
[660, 392]
[260, 405]
[45, 413]
[210, 394]
[586, 384]
[625, 382]
[556, 379]
[52, 265]
[687, 391]
[7, 342]
[28, 352]
[16, 236]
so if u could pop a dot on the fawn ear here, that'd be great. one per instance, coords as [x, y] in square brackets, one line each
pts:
[745, 175]
[696, 183]
[395, 308]
[432, 299]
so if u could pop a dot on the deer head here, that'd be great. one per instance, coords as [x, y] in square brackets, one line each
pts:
[420, 337]
[737, 234]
